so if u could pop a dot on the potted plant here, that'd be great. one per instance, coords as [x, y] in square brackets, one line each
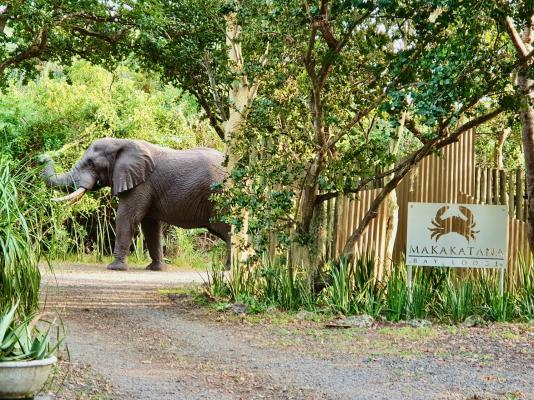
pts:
[26, 355]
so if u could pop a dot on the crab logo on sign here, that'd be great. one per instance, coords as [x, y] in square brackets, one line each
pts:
[463, 224]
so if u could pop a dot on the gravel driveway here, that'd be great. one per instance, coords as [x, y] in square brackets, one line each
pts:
[135, 343]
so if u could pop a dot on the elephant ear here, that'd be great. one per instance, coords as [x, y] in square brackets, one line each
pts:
[133, 165]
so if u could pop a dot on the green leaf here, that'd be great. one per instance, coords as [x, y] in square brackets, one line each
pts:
[6, 320]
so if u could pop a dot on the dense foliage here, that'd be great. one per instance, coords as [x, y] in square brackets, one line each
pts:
[56, 30]
[65, 109]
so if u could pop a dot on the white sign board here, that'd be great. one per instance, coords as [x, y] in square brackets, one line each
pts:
[457, 235]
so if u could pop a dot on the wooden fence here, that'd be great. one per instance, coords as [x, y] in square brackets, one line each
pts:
[451, 177]
[494, 186]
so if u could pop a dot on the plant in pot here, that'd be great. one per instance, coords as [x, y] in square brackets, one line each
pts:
[26, 355]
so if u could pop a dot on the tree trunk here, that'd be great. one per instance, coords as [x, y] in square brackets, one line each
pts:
[240, 98]
[501, 138]
[306, 237]
[392, 207]
[392, 223]
[527, 120]
[391, 203]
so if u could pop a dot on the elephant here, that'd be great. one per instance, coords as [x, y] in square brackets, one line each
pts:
[154, 185]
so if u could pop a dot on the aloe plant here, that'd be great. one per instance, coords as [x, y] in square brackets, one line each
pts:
[22, 339]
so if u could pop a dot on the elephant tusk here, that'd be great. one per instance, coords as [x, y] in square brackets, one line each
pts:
[71, 198]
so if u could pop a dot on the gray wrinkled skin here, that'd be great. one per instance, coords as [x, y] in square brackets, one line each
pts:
[154, 185]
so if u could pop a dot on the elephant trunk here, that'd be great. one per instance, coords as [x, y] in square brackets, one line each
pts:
[65, 182]
[62, 181]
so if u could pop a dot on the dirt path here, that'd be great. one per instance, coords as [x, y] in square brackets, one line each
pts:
[149, 347]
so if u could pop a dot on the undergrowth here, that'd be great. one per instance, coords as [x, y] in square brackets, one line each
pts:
[444, 294]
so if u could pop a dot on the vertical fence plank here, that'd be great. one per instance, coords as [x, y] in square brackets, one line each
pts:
[478, 182]
[329, 229]
[484, 186]
[511, 197]
[346, 222]
[502, 187]
[518, 194]
[489, 187]
[495, 183]
[335, 227]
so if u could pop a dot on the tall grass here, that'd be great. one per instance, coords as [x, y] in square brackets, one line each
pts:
[525, 293]
[369, 292]
[261, 286]
[352, 288]
[424, 286]
[456, 302]
[19, 242]
[286, 287]
[497, 306]
[397, 296]
[339, 295]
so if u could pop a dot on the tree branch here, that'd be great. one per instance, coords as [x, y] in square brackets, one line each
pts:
[309, 51]
[95, 18]
[36, 49]
[516, 39]
[336, 45]
[211, 79]
[214, 121]
[410, 125]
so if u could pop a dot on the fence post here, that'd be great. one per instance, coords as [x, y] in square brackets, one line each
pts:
[495, 181]
[483, 186]
[511, 197]
[502, 187]
[518, 195]
[478, 183]
[335, 226]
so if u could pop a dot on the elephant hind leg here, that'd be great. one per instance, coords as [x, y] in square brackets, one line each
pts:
[222, 231]
[152, 231]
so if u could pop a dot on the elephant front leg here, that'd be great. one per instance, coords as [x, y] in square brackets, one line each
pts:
[152, 231]
[124, 229]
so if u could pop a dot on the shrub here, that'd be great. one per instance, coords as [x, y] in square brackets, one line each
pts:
[19, 246]
[497, 307]
[525, 293]
[396, 295]
[456, 301]
[352, 288]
